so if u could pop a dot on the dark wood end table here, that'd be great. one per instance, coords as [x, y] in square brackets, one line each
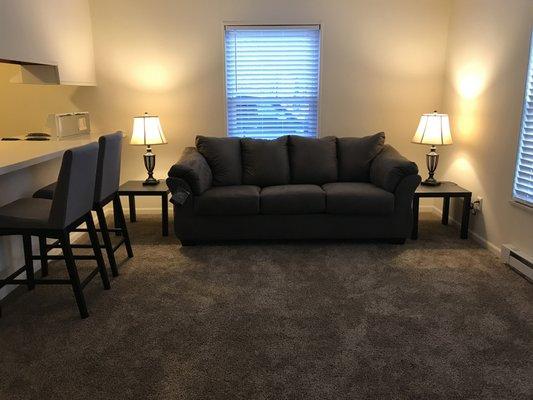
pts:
[136, 188]
[446, 190]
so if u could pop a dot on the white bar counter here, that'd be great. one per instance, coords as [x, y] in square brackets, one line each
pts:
[26, 166]
[18, 154]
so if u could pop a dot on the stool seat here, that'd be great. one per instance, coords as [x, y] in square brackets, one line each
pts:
[26, 213]
[46, 192]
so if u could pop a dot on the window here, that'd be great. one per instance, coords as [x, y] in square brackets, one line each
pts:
[272, 80]
[523, 181]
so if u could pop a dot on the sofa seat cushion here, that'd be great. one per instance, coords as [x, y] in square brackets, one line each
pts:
[228, 200]
[293, 199]
[357, 198]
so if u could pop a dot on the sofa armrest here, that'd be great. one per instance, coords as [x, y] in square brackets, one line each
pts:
[179, 191]
[389, 168]
[405, 191]
[193, 169]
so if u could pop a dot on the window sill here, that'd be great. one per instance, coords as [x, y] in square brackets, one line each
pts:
[521, 205]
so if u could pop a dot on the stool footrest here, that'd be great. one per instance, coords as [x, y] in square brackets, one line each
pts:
[89, 277]
[11, 280]
[40, 282]
[62, 257]
[98, 230]
[4, 282]
[120, 243]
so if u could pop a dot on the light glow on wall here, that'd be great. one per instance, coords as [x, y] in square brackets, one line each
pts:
[461, 169]
[471, 81]
[467, 122]
[147, 70]
[152, 76]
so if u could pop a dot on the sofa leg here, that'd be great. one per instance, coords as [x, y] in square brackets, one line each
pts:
[186, 242]
[397, 241]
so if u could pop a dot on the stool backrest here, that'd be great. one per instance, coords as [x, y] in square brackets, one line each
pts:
[108, 169]
[74, 193]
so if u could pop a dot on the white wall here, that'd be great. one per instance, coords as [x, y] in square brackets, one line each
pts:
[382, 66]
[484, 90]
[30, 108]
[51, 31]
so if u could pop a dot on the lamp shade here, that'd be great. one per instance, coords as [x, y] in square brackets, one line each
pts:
[433, 129]
[147, 131]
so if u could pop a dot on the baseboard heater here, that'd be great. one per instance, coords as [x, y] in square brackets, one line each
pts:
[518, 260]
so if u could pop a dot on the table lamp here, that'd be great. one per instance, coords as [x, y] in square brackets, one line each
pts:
[147, 131]
[433, 129]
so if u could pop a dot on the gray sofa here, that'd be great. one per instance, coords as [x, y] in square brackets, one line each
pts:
[292, 188]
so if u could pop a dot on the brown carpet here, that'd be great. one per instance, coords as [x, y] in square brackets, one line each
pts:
[437, 318]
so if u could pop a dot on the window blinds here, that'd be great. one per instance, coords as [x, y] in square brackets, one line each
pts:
[523, 182]
[272, 80]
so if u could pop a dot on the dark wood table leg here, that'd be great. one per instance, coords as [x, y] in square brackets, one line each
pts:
[164, 209]
[116, 216]
[445, 210]
[466, 217]
[133, 213]
[416, 203]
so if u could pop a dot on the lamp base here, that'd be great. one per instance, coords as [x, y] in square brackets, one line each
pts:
[430, 182]
[150, 181]
[149, 163]
[432, 160]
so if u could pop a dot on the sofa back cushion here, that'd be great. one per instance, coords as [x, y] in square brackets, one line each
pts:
[313, 160]
[355, 156]
[265, 162]
[224, 158]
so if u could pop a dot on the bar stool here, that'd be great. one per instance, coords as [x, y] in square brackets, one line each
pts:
[57, 218]
[106, 190]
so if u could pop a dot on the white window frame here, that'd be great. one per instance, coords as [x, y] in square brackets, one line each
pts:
[528, 85]
[252, 25]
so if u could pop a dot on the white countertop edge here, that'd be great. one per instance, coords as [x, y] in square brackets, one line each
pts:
[16, 155]
[22, 154]
[32, 161]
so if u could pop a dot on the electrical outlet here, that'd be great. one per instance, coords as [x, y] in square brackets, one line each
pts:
[477, 205]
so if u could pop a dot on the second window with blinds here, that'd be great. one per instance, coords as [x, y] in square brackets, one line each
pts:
[272, 80]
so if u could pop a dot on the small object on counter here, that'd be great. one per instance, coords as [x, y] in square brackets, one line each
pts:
[37, 136]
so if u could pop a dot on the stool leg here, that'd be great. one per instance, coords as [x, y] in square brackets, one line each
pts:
[73, 274]
[28, 260]
[43, 253]
[97, 252]
[120, 213]
[107, 240]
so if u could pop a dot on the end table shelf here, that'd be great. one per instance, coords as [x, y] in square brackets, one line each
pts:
[445, 190]
[136, 188]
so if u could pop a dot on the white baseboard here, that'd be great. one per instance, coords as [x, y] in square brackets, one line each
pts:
[428, 209]
[475, 236]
